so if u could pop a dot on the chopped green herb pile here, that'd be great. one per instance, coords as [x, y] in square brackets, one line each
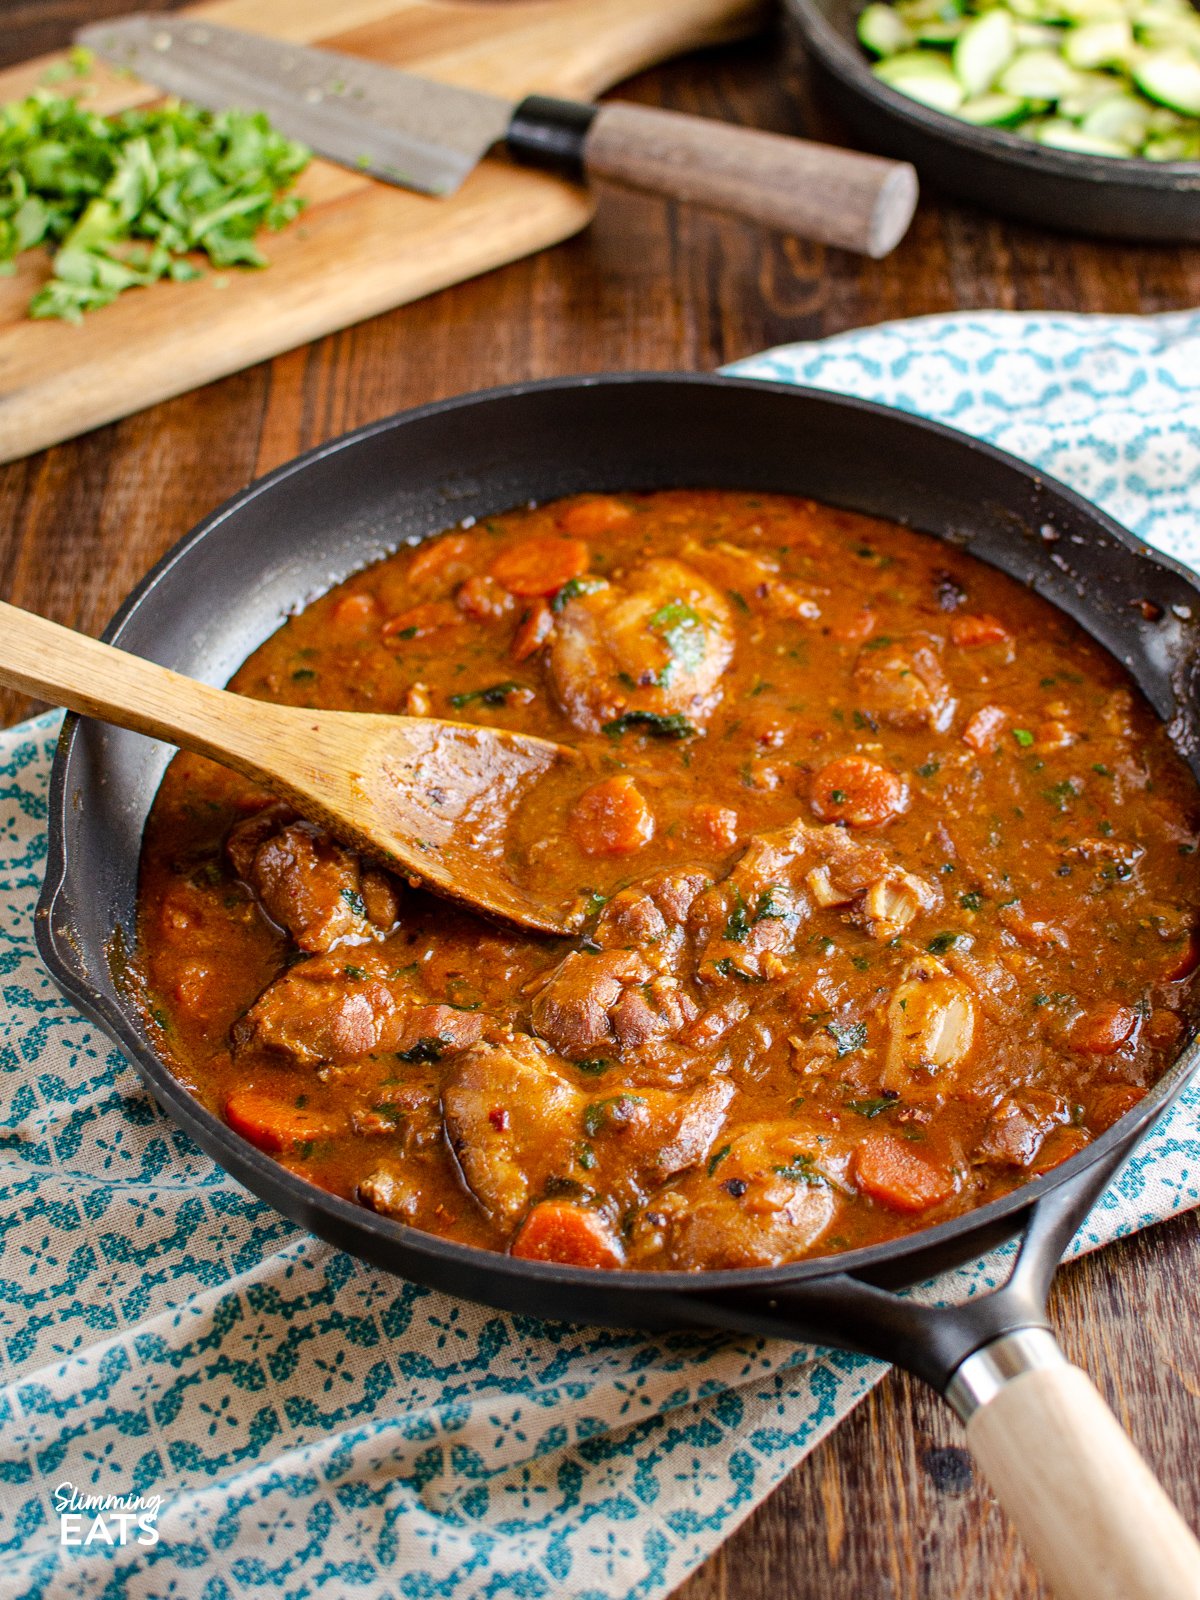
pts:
[122, 201]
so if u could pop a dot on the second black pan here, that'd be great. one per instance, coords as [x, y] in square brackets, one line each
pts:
[1107, 197]
[1090, 1511]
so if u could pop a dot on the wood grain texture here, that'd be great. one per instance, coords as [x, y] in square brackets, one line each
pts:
[889, 1507]
[809, 191]
[360, 247]
[1080, 1495]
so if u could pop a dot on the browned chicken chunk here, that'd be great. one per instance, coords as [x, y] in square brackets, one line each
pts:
[322, 1010]
[655, 643]
[315, 889]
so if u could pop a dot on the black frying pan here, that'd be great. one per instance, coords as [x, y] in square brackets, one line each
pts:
[1089, 1509]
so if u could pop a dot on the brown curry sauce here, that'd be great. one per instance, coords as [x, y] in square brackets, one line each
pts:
[885, 876]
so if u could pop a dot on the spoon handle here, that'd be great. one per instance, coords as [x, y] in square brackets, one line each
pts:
[66, 668]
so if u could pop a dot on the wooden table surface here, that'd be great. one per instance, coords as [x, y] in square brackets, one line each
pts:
[888, 1507]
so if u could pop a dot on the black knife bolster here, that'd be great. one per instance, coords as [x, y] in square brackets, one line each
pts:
[545, 132]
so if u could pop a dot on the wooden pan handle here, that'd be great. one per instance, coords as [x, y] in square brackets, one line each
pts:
[814, 191]
[1091, 1512]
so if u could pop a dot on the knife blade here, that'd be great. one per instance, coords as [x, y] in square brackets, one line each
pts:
[429, 136]
[389, 124]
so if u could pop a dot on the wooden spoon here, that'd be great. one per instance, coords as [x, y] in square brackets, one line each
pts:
[431, 799]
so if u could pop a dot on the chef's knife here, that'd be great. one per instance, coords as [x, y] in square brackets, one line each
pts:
[429, 136]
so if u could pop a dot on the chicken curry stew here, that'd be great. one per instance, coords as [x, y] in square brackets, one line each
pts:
[884, 873]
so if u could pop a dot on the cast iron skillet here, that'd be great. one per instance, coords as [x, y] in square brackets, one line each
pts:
[1108, 196]
[229, 583]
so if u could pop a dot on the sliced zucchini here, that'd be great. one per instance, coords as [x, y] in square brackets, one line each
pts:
[1099, 44]
[1038, 75]
[1100, 77]
[1059, 134]
[1172, 78]
[1080, 11]
[985, 47]
[940, 34]
[994, 110]
[1032, 35]
[883, 31]
[1172, 147]
[1092, 90]
[925, 76]
[1121, 117]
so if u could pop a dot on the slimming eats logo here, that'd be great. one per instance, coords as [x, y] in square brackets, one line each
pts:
[105, 1519]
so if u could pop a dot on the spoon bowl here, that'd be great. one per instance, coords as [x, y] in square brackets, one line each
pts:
[430, 799]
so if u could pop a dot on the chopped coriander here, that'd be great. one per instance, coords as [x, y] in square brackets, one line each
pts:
[355, 901]
[941, 942]
[971, 901]
[573, 588]
[123, 201]
[1023, 737]
[716, 1160]
[494, 695]
[873, 1107]
[593, 1065]
[928, 769]
[801, 1169]
[727, 969]
[736, 925]
[681, 628]
[653, 723]
[424, 1051]
[847, 1036]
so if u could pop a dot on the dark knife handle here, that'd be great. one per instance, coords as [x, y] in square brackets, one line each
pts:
[814, 191]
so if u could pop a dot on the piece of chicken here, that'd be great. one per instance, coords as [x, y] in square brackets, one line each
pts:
[324, 1010]
[763, 1199]
[900, 682]
[523, 1127]
[319, 892]
[653, 643]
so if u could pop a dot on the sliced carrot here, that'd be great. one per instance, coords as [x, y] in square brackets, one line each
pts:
[533, 631]
[556, 1231]
[419, 620]
[1103, 1030]
[969, 632]
[275, 1124]
[716, 825]
[984, 728]
[597, 515]
[1183, 960]
[442, 560]
[540, 566]
[354, 611]
[795, 602]
[858, 791]
[612, 818]
[890, 1171]
[482, 597]
[856, 628]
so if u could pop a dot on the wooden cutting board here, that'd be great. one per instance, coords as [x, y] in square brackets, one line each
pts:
[359, 247]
